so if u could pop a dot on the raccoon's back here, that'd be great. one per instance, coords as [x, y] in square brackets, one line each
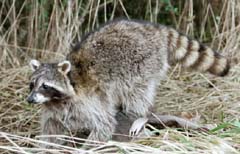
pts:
[123, 50]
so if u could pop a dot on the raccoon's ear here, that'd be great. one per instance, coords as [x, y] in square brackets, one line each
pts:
[64, 67]
[34, 64]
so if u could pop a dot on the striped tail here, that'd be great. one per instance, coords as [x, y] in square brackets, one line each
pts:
[195, 55]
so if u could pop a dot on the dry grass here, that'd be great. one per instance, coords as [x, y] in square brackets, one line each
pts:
[45, 29]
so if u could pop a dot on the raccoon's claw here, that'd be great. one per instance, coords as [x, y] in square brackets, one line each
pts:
[137, 126]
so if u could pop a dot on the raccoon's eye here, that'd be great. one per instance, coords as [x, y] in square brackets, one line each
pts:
[45, 87]
[31, 86]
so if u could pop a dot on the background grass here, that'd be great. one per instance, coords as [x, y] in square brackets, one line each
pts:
[45, 30]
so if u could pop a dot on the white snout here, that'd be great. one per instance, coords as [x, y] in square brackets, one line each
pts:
[40, 99]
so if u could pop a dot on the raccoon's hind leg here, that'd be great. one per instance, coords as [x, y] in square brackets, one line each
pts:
[137, 102]
[138, 99]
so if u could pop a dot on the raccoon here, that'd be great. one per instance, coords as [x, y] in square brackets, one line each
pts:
[114, 68]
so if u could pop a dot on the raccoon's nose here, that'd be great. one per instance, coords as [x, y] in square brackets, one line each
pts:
[31, 100]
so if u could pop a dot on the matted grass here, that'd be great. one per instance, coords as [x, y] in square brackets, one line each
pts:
[27, 33]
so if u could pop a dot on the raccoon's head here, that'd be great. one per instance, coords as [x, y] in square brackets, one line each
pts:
[49, 82]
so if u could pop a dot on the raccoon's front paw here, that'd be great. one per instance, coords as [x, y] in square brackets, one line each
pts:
[137, 126]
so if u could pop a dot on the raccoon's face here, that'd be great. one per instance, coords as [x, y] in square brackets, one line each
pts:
[49, 82]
